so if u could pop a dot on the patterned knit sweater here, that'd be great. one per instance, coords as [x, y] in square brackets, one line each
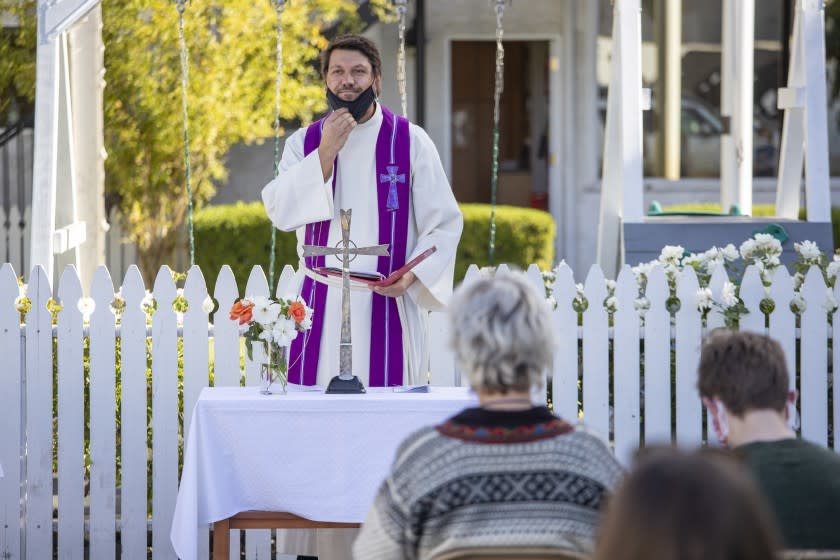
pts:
[490, 478]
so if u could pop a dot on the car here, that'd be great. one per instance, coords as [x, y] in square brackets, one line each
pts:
[701, 128]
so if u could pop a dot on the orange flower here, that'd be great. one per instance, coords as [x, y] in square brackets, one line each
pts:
[297, 311]
[242, 312]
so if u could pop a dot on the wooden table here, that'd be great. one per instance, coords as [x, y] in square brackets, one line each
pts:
[264, 520]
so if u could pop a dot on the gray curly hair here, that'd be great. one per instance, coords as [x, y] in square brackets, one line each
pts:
[502, 333]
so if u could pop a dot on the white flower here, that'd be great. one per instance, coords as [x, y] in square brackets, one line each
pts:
[207, 305]
[283, 332]
[693, 260]
[87, 306]
[306, 324]
[798, 279]
[610, 286]
[671, 254]
[712, 258]
[20, 304]
[833, 268]
[729, 252]
[611, 304]
[643, 269]
[704, 299]
[747, 248]
[265, 311]
[830, 304]
[641, 304]
[808, 250]
[773, 261]
[768, 243]
[798, 303]
[727, 295]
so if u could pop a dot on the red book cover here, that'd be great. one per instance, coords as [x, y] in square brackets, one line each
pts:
[374, 278]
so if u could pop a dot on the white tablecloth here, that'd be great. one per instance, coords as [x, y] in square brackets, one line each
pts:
[319, 456]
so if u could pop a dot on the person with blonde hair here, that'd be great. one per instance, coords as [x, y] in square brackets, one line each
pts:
[676, 506]
[507, 473]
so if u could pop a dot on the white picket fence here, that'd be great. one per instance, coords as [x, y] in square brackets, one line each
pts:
[93, 512]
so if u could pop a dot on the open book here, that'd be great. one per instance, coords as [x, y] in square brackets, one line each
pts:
[375, 278]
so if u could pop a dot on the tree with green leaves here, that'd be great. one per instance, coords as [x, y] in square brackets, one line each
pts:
[232, 48]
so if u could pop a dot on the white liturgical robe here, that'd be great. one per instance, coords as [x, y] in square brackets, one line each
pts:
[299, 196]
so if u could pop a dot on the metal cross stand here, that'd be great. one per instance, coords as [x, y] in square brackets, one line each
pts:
[345, 381]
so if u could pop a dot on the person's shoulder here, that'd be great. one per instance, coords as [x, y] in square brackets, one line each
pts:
[417, 443]
[418, 132]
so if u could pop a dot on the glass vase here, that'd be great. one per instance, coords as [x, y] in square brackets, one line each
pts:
[274, 370]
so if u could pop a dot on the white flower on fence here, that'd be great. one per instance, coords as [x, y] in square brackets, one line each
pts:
[611, 304]
[830, 303]
[671, 255]
[728, 297]
[747, 249]
[641, 305]
[730, 253]
[798, 303]
[208, 305]
[833, 267]
[798, 280]
[808, 250]
[704, 299]
[580, 303]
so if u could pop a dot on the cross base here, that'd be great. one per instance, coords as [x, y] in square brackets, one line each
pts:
[339, 386]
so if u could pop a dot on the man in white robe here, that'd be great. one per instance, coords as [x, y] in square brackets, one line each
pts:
[302, 194]
[345, 162]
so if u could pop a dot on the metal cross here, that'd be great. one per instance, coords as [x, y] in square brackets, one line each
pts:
[345, 248]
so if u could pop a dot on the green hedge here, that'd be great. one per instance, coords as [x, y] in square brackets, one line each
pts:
[239, 235]
[523, 236]
[759, 210]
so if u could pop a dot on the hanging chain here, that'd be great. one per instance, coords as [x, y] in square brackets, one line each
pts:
[401, 11]
[500, 82]
[279, 6]
[185, 72]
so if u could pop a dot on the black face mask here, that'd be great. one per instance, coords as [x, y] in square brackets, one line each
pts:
[358, 107]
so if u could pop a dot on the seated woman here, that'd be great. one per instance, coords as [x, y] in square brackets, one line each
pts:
[676, 506]
[507, 473]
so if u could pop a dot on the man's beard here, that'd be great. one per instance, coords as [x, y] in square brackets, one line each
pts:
[358, 107]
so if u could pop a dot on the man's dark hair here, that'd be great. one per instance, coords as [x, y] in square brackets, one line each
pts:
[746, 371]
[353, 43]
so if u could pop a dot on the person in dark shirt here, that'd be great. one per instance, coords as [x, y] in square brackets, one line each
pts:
[744, 384]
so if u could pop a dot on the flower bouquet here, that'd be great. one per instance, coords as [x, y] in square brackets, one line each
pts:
[273, 323]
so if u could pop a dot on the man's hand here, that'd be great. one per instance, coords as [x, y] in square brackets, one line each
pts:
[336, 130]
[398, 288]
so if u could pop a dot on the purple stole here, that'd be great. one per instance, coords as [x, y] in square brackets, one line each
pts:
[393, 169]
